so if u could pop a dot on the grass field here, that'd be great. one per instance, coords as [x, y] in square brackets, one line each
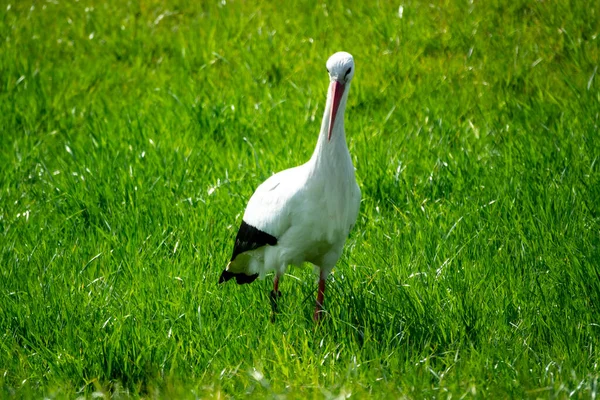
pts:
[133, 133]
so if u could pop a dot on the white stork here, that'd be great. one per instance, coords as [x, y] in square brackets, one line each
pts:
[303, 214]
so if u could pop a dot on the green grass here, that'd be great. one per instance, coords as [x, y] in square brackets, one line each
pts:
[133, 133]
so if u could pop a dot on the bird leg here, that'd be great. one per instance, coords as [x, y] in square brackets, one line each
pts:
[276, 283]
[320, 294]
[275, 295]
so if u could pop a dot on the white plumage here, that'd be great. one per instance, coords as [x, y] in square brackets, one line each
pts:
[307, 211]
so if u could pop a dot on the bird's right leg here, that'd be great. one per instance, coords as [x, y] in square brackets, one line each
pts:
[320, 295]
[276, 283]
[275, 295]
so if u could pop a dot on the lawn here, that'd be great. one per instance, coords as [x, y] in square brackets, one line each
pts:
[133, 134]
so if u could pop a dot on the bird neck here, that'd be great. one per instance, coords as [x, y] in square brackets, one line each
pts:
[330, 150]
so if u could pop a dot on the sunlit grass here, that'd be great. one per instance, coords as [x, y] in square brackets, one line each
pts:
[134, 133]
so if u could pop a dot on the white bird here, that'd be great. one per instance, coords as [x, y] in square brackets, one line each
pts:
[303, 214]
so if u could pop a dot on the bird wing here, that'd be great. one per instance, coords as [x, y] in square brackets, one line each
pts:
[355, 205]
[251, 238]
[267, 215]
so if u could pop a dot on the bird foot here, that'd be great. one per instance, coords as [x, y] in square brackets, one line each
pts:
[274, 297]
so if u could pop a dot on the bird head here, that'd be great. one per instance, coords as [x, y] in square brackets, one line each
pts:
[340, 67]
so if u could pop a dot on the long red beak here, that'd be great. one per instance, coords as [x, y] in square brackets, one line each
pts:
[338, 91]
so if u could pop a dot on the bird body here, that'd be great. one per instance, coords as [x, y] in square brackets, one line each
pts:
[305, 213]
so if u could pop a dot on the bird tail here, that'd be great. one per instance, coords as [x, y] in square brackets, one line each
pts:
[237, 271]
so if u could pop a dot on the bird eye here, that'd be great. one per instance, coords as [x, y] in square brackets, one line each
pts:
[328, 71]
[347, 72]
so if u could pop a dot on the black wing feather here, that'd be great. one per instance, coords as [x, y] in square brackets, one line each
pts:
[251, 238]
[240, 278]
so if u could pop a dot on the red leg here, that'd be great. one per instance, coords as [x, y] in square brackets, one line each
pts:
[275, 295]
[320, 295]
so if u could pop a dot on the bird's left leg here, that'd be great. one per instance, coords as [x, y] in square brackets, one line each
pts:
[320, 296]
[275, 294]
